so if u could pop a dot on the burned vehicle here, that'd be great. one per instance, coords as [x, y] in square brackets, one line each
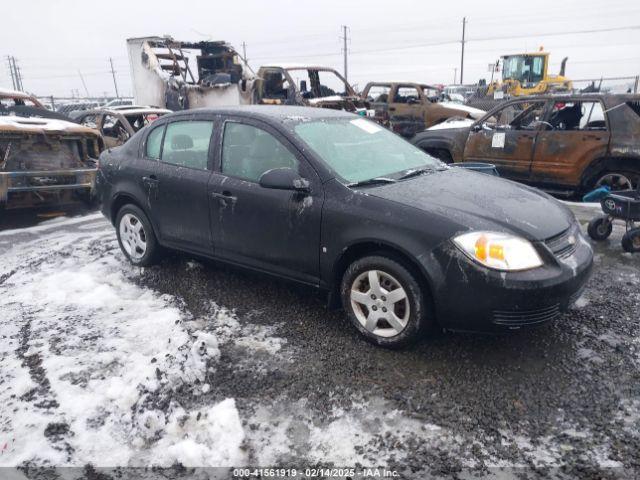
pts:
[566, 144]
[117, 125]
[307, 85]
[45, 160]
[184, 75]
[409, 108]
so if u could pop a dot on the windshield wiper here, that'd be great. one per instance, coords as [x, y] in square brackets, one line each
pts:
[371, 181]
[414, 172]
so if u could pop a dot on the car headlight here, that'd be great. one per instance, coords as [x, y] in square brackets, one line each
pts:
[499, 251]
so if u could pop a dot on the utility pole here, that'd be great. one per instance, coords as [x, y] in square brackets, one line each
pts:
[16, 69]
[455, 75]
[13, 77]
[86, 90]
[244, 53]
[16, 77]
[113, 73]
[344, 37]
[464, 24]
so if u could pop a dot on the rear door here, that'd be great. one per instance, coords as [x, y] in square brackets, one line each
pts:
[180, 207]
[273, 230]
[575, 134]
[507, 138]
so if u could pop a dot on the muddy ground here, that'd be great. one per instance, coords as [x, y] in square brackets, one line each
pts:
[301, 387]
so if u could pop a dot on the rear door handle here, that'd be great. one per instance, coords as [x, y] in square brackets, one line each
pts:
[224, 196]
[151, 180]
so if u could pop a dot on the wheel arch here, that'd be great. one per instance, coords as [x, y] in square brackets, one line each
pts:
[363, 248]
[605, 163]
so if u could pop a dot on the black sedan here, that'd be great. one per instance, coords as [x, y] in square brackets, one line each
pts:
[332, 200]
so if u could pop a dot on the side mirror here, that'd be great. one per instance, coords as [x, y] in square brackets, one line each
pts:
[476, 127]
[284, 179]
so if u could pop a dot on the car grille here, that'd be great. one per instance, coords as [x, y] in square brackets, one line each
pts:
[563, 245]
[519, 318]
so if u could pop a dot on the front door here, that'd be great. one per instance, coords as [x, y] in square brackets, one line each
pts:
[272, 230]
[575, 134]
[507, 139]
[180, 207]
[406, 110]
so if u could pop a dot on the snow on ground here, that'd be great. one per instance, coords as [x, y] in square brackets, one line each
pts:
[96, 368]
[84, 350]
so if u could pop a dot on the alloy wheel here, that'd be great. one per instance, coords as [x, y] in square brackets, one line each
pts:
[380, 303]
[132, 236]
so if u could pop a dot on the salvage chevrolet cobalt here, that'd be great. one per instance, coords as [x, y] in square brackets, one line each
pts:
[335, 201]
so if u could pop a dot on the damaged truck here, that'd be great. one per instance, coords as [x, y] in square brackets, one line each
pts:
[183, 75]
[44, 160]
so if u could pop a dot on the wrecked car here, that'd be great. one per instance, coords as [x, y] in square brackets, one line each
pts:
[409, 108]
[565, 144]
[335, 201]
[183, 75]
[118, 124]
[44, 160]
[313, 86]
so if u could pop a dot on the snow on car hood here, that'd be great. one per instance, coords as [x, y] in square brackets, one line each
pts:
[14, 122]
[453, 123]
[475, 113]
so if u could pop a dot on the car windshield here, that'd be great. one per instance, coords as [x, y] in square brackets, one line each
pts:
[359, 150]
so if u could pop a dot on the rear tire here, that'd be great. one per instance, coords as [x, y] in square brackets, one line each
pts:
[136, 237]
[631, 241]
[384, 301]
[600, 228]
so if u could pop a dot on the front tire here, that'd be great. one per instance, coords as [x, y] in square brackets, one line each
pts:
[384, 301]
[136, 237]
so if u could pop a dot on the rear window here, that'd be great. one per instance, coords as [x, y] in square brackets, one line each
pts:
[154, 143]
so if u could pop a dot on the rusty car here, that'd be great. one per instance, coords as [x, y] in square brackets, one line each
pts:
[307, 85]
[409, 108]
[44, 160]
[118, 124]
[567, 144]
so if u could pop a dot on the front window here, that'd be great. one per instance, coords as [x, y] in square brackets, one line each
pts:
[524, 68]
[407, 95]
[248, 152]
[517, 116]
[358, 149]
[318, 83]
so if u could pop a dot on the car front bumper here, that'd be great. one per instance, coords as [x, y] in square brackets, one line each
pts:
[470, 297]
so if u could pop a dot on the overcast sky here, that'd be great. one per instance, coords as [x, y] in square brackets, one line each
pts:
[392, 40]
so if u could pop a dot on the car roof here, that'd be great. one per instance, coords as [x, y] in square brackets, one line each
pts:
[126, 111]
[273, 112]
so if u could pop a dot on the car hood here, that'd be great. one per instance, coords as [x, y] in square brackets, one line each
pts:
[476, 201]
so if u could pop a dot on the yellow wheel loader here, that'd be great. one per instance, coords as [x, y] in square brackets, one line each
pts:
[527, 74]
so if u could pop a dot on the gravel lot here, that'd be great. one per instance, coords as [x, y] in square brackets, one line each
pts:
[106, 364]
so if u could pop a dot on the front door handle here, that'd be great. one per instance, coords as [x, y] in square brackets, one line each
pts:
[150, 181]
[224, 197]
